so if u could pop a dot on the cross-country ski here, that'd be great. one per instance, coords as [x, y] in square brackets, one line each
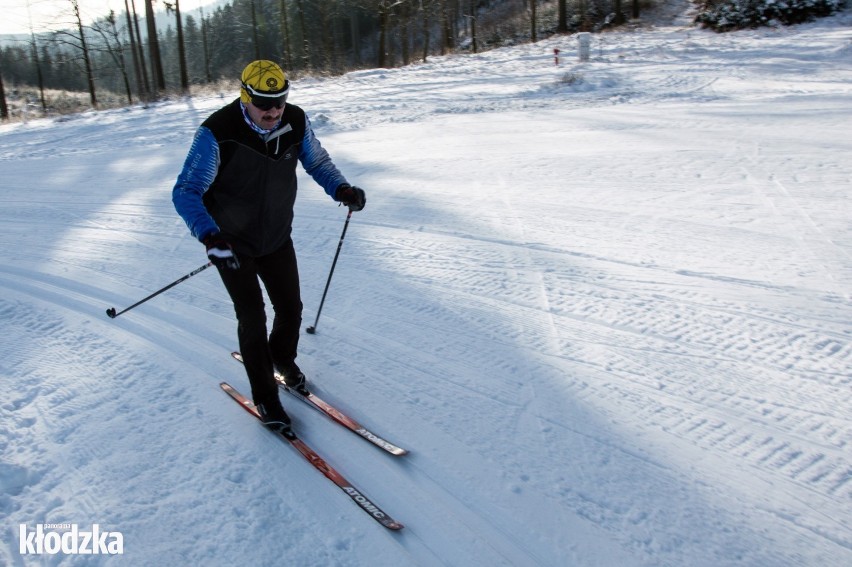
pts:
[319, 463]
[336, 415]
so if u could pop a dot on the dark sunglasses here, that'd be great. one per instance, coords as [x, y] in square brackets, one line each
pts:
[267, 101]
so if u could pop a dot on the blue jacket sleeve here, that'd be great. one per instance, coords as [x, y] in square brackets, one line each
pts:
[199, 171]
[317, 162]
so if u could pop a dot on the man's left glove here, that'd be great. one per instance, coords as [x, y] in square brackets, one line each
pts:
[353, 197]
[220, 252]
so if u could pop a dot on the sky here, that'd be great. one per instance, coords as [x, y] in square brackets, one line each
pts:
[45, 15]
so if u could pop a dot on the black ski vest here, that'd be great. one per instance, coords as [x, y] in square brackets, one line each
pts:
[254, 192]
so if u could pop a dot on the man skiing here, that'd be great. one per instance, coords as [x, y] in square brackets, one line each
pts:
[236, 194]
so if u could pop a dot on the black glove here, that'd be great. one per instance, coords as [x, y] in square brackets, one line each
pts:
[353, 197]
[220, 252]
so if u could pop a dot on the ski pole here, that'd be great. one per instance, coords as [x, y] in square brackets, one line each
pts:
[111, 311]
[313, 328]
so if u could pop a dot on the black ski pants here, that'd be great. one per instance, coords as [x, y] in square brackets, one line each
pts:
[279, 274]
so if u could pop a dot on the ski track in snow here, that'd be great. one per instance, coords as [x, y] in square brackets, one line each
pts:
[606, 306]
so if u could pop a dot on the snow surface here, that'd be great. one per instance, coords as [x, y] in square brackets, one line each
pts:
[606, 305]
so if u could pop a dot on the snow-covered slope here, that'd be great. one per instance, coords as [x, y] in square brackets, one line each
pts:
[606, 305]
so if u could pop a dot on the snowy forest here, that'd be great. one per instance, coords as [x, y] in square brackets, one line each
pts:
[144, 54]
[152, 50]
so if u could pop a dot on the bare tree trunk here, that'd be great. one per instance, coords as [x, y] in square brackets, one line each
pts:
[425, 10]
[285, 34]
[338, 53]
[184, 75]
[39, 76]
[142, 67]
[562, 18]
[207, 74]
[384, 22]
[300, 7]
[4, 109]
[449, 39]
[118, 53]
[533, 18]
[90, 77]
[355, 30]
[254, 31]
[328, 56]
[473, 25]
[154, 48]
[585, 22]
[405, 17]
[619, 14]
[136, 68]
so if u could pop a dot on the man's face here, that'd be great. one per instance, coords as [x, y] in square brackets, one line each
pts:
[266, 119]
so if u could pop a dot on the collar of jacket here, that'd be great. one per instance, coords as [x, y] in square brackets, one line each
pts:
[267, 135]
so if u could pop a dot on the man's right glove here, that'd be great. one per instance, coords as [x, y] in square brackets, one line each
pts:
[220, 252]
[353, 197]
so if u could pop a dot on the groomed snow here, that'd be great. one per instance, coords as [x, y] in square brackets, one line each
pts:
[606, 305]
